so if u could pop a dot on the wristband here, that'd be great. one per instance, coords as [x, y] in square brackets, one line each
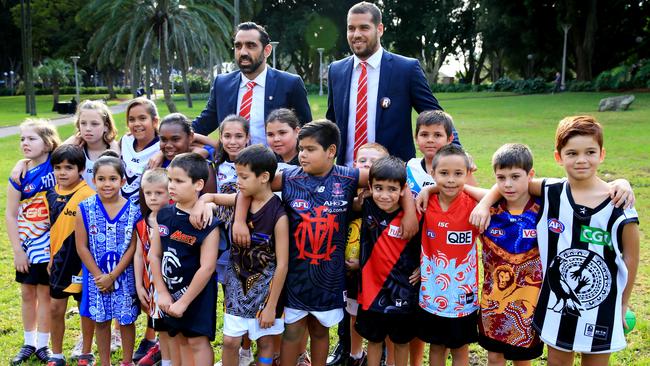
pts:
[266, 360]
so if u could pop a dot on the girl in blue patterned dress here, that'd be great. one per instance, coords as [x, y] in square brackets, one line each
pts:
[106, 244]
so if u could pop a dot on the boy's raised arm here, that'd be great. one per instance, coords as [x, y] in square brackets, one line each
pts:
[480, 216]
[240, 233]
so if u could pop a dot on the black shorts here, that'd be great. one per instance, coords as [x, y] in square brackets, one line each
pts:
[449, 332]
[60, 294]
[511, 352]
[158, 325]
[375, 326]
[185, 332]
[37, 275]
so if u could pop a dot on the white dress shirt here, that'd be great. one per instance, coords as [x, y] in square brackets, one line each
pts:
[257, 131]
[374, 64]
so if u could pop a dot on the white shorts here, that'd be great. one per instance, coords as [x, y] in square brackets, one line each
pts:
[236, 326]
[327, 318]
[352, 306]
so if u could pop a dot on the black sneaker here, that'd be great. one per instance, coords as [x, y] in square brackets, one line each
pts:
[144, 347]
[337, 357]
[87, 359]
[43, 354]
[56, 362]
[23, 355]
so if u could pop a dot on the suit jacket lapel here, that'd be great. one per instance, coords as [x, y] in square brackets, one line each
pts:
[347, 78]
[233, 84]
[385, 70]
[269, 90]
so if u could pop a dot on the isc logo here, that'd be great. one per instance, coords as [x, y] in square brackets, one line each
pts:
[555, 226]
[300, 205]
[459, 237]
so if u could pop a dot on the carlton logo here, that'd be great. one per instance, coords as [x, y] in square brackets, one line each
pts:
[497, 232]
[555, 226]
[36, 211]
[183, 238]
[163, 230]
[300, 205]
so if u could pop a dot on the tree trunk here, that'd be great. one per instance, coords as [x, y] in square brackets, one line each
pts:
[55, 92]
[585, 43]
[28, 68]
[186, 87]
[164, 69]
[479, 67]
[135, 78]
[147, 79]
[109, 84]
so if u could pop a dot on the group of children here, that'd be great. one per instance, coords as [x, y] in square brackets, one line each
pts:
[120, 237]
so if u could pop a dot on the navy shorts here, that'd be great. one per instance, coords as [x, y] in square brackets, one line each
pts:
[37, 275]
[449, 332]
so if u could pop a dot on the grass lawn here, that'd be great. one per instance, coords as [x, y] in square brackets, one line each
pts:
[484, 121]
[12, 109]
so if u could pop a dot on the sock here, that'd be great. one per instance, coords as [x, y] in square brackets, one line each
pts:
[165, 362]
[58, 356]
[153, 340]
[30, 338]
[357, 356]
[42, 340]
[245, 352]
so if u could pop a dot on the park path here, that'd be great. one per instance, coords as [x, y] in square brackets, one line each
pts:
[60, 121]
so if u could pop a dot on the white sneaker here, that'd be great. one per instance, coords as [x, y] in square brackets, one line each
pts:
[218, 363]
[116, 340]
[245, 357]
[78, 347]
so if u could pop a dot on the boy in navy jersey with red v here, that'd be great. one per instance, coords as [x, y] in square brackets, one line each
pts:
[317, 197]
[388, 294]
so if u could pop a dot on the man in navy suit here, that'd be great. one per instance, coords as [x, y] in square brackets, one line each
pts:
[387, 86]
[255, 89]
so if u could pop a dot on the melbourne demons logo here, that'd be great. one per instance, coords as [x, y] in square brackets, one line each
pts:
[316, 230]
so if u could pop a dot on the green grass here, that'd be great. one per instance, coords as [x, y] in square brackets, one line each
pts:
[484, 121]
[12, 109]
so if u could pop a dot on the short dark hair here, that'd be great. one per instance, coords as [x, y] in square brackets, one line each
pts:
[73, 154]
[434, 118]
[513, 156]
[109, 159]
[264, 36]
[365, 7]
[177, 119]
[450, 150]
[388, 168]
[325, 132]
[259, 159]
[283, 115]
[193, 164]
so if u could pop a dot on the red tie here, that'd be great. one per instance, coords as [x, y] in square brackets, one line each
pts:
[361, 127]
[247, 101]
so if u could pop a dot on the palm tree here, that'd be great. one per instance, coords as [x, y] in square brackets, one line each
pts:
[139, 31]
[55, 72]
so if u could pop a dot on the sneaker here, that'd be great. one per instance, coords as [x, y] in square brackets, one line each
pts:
[127, 363]
[152, 357]
[78, 349]
[87, 359]
[43, 354]
[337, 357]
[144, 347]
[56, 362]
[303, 360]
[245, 357]
[218, 363]
[358, 362]
[23, 355]
[116, 340]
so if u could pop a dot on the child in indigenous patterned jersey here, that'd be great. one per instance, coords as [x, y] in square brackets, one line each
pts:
[388, 293]
[28, 230]
[512, 267]
[449, 290]
[65, 265]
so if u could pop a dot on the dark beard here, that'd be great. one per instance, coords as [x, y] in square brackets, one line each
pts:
[254, 65]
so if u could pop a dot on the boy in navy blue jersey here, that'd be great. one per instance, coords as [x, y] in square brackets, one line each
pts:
[389, 291]
[317, 197]
[183, 261]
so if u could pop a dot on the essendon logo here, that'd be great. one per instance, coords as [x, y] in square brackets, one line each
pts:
[36, 211]
[300, 205]
[459, 237]
[497, 232]
[183, 238]
[555, 226]
[529, 233]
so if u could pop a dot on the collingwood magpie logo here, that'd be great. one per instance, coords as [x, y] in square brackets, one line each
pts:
[580, 281]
